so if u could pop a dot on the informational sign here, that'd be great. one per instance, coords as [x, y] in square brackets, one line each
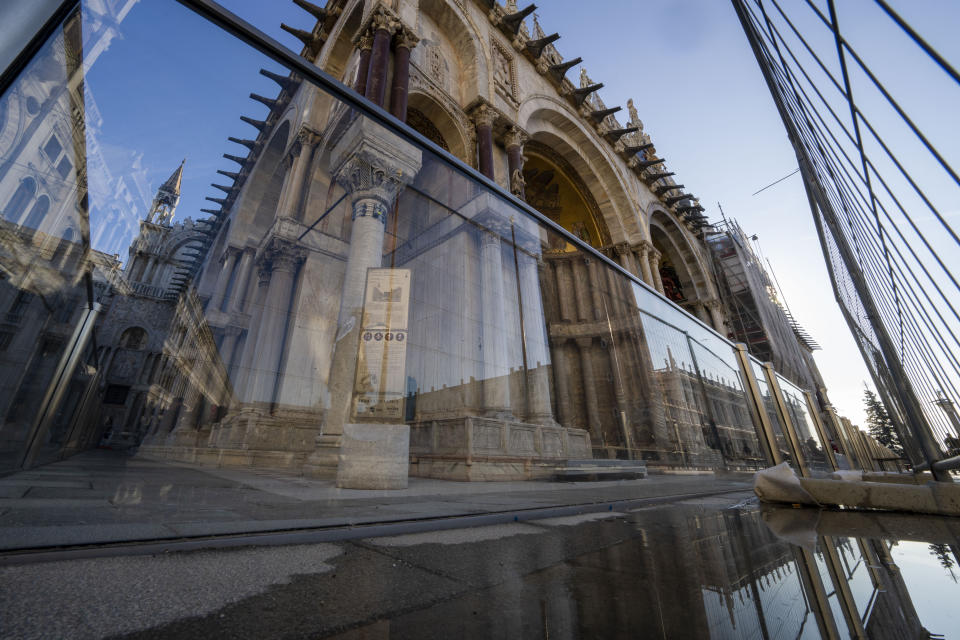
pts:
[382, 357]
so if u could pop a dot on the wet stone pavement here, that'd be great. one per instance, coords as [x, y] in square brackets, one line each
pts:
[697, 568]
[104, 497]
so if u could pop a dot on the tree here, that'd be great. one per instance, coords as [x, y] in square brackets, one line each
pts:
[879, 423]
[943, 553]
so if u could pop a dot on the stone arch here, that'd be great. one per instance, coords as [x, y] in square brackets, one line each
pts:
[426, 115]
[555, 189]
[133, 338]
[679, 253]
[339, 57]
[262, 190]
[471, 57]
[550, 122]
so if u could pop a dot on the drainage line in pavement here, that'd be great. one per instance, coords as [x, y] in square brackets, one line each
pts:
[336, 533]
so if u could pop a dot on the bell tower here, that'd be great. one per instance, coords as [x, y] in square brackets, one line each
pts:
[165, 202]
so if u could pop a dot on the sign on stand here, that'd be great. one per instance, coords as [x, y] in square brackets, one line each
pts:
[382, 357]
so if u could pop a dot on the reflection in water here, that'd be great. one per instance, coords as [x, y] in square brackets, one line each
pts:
[685, 572]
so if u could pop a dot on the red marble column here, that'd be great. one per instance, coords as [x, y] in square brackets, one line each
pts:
[514, 143]
[484, 117]
[376, 90]
[365, 44]
[401, 74]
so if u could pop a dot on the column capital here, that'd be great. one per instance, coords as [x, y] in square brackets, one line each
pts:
[712, 303]
[515, 137]
[364, 41]
[373, 165]
[382, 19]
[229, 252]
[584, 342]
[623, 248]
[483, 115]
[281, 254]
[406, 38]
[232, 330]
[307, 137]
[655, 255]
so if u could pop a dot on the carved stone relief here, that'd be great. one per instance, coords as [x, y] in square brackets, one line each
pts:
[504, 71]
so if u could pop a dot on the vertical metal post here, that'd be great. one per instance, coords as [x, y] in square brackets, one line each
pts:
[784, 415]
[845, 447]
[821, 432]
[816, 593]
[842, 588]
[855, 436]
[58, 386]
[758, 411]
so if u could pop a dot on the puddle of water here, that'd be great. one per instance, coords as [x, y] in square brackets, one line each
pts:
[703, 571]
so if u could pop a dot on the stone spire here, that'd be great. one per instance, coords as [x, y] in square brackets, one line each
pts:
[168, 196]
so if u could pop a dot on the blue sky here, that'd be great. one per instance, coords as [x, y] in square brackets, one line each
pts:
[685, 63]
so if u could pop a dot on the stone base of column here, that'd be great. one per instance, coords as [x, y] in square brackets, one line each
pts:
[374, 456]
[325, 459]
[486, 449]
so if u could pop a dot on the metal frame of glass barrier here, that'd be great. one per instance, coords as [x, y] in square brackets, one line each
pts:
[757, 409]
[842, 441]
[821, 432]
[855, 436]
[841, 587]
[58, 386]
[785, 420]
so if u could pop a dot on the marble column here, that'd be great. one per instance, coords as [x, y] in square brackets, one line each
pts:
[282, 258]
[561, 381]
[484, 117]
[373, 166]
[300, 158]
[227, 262]
[229, 345]
[620, 393]
[593, 426]
[405, 41]
[496, 385]
[514, 141]
[383, 27]
[655, 269]
[242, 280]
[714, 306]
[625, 257]
[257, 311]
[643, 251]
[365, 45]
[600, 311]
[538, 345]
[565, 294]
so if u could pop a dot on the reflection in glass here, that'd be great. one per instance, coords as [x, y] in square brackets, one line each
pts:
[811, 448]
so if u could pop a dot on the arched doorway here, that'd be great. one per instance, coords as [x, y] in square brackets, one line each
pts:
[555, 189]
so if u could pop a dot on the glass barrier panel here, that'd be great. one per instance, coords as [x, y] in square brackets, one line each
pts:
[812, 448]
[189, 294]
[719, 377]
[44, 233]
[689, 438]
[770, 404]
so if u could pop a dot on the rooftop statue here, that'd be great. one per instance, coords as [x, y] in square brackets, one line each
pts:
[634, 116]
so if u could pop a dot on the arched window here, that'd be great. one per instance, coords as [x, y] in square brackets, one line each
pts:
[62, 247]
[38, 213]
[21, 199]
[133, 338]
